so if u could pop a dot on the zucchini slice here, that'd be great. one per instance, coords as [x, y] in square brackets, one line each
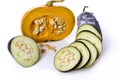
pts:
[89, 28]
[90, 36]
[67, 58]
[93, 52]
[84, 52]
[24, 50]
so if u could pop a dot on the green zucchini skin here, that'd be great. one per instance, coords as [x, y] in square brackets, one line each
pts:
[59, 54]
[14, 52]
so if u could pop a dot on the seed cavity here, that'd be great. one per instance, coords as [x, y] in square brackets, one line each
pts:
[40, 24]
[58, 24]
[23, 48]
[66, 58]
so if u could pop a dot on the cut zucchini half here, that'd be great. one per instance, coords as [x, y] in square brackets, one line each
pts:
[24, 50]
[89, 28]
[67, 58]
[84, 52]
[93, 52]
[90, 36]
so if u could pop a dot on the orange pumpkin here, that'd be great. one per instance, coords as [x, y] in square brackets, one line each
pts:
[48, 22]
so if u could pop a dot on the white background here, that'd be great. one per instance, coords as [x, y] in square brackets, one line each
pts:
[107, 67]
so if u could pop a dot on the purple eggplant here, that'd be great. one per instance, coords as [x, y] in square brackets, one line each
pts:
[88, 18]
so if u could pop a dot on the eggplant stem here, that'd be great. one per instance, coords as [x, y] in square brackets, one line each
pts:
[85, 8]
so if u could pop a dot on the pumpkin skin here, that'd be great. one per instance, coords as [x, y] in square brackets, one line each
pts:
[50, 32]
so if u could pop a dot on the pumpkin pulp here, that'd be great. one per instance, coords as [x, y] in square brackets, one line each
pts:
[48, 23]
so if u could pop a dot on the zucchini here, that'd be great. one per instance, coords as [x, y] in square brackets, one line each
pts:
[89, 28]
[93, 52]
[90, 36]
[67, 58]
[84, 52]
[24, 50]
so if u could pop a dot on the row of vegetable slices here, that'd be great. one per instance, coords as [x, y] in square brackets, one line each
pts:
[81, 53]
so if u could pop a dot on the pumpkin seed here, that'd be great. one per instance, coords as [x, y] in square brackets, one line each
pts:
[63, 28]
[41, 21]
[36, 21]
[52, 22]
[55, 26]
[56, 19]
[41, 29]
[60, 22]
[36, 30]
[60, 27]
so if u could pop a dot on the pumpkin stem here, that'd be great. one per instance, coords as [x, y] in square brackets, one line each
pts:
[50, 3]
[85, 8]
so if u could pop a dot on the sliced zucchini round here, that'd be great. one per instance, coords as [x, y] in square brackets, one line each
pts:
[90, 36]
[93, 51]
[24, 50]
[89, 28]
[67, 58]
[84, 52]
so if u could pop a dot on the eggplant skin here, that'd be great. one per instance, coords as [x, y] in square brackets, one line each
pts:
[9, 44]
[88, 18]
[74, 65]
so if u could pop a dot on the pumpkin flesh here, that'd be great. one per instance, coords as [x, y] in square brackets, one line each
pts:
[53, 30]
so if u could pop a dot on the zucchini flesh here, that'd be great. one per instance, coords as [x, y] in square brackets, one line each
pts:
[87, 35]
[93, 52]
[67, 58]
[24, 50]
[84, 52]
[89, 28]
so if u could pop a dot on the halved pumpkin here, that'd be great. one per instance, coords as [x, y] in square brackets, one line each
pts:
[48, 22]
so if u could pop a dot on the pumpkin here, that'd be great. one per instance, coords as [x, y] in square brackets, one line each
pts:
[48, 23]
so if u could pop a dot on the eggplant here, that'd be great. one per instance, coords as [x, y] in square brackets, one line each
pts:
[93, 38]
[88, 43]
[88, 18]
[67, 58]
[9, 45]
[24, 50]
[84, 52]
[89, 28]
[93, 52]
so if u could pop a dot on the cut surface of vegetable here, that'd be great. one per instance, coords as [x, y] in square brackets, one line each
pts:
[87, 35]
[93, 52]
[67, 58]
[24, 50]
[84, 52]
[89, 28]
